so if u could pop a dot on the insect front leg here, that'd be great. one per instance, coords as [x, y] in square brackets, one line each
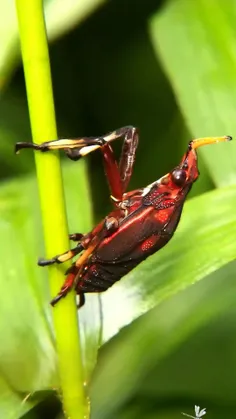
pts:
[63, 257]
[74, 148]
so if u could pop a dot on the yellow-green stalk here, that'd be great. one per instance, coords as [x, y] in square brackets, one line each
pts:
[42, 116]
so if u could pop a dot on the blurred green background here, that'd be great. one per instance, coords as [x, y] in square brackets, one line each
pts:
[168, 339]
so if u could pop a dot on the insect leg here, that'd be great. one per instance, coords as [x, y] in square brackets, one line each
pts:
[112, 172]
[127, 158]
[81, 300]
[67, 286]
[63, 257]
[119, 176]
[76, 237]
[74, 148]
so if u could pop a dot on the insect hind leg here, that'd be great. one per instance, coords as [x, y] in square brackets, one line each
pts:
[119, 175]
[66, 287]
[127, 159]
[69, 284]
[81, 300]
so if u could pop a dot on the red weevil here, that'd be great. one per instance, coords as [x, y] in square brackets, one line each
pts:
[142, 221]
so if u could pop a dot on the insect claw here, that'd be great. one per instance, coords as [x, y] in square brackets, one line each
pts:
[75, 236]
[55, 300]
[81, 300]
[46, 262]
[21, 145]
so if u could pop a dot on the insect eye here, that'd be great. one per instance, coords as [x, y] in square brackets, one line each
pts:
[178, 176]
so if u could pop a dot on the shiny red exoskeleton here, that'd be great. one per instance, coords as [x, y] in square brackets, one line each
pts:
[142, 221]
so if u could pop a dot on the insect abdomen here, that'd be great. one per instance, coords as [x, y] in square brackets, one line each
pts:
[98, 277]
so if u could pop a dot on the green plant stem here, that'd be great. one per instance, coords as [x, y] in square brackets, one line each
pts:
[40, 99]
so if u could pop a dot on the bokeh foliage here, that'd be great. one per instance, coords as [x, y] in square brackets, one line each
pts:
[168, 68]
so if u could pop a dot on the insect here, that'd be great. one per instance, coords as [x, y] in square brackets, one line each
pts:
[141, 222]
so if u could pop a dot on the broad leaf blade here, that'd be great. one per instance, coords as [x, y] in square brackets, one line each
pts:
[126, 366]
[9, 45]
[63, 16]
[13, 404]
[28, 343]
[195, 41]
[60, 16]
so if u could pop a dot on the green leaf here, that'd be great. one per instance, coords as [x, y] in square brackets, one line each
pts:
[13, 404]
[143, 360]
[9, 45]
[63, 16]
[27, 336]
[60, 17]
[195, 41]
